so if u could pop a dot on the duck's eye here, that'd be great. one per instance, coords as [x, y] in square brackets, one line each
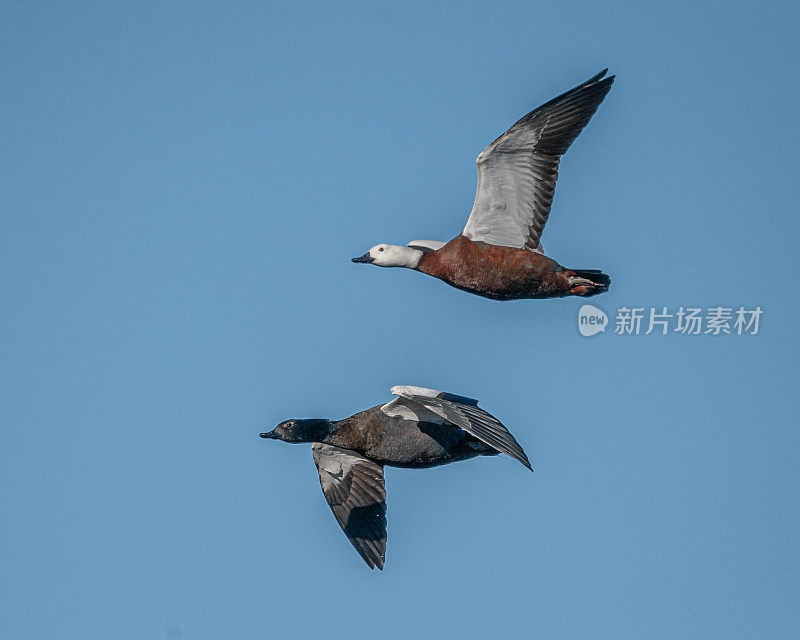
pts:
[380, 249]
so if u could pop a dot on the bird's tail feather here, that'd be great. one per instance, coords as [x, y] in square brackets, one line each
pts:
[589, 282]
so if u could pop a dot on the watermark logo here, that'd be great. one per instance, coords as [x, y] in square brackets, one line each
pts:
[691, 321]
[591, 320]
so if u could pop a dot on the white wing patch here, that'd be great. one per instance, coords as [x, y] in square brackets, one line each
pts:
[504, 201]
[403, 389]
[335, 465]
[407, 410]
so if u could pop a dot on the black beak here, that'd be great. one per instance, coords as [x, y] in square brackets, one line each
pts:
[271, 435]
[364, 258]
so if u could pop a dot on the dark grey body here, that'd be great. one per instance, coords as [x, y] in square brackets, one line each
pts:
[421, 428]
[397, 442]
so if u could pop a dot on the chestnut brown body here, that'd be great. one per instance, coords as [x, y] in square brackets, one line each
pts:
[506, 273]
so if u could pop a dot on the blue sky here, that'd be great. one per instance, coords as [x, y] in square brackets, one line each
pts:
[182, 187]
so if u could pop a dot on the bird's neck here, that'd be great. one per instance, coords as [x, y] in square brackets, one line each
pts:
[407, 258]
[347, 433]
[317, 429]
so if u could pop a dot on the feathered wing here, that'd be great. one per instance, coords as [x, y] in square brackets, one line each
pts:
[464, 413]
[354, 488]
[517, 173]
[426, 245]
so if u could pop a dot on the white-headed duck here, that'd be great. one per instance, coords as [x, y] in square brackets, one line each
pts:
[499, 255]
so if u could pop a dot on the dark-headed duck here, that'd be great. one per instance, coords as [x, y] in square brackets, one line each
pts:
[418, 429]
[498, 255]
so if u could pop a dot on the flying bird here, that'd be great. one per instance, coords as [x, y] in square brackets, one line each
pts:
[420, 428]
[499, 255]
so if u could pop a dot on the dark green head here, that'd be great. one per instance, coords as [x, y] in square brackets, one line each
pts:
[313, 430]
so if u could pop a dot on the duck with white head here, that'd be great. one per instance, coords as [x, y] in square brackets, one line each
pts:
[499, 255]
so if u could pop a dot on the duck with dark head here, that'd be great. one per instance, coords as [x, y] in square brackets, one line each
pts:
[418, 429]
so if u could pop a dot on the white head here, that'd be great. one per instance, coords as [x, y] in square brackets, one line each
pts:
[390, 255]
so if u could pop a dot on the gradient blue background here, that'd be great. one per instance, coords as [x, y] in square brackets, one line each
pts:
[183, 186]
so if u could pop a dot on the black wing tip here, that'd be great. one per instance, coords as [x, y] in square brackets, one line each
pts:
[600, 84]
[524, 460]
[371, 557]
[594, 89]
[520, 456]
[599, 78]
[373, 563]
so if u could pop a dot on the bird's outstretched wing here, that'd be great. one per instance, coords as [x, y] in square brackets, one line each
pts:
[353, 486]
[464, 413]
[517, 173]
